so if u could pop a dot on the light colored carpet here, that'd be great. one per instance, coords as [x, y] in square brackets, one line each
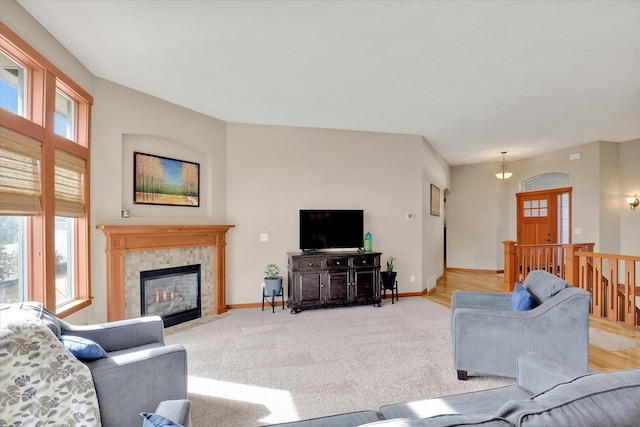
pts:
[609, 341]
[250, 367]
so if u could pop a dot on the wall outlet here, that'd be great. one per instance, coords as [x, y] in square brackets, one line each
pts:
[410, 217]
[577, 231]
[264, 237]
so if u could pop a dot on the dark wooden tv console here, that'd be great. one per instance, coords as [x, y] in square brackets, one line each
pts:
[333, 279]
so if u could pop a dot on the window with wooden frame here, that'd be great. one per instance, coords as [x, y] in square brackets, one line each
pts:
[44, 181]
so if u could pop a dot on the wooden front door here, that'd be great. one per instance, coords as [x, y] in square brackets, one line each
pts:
[538, 221]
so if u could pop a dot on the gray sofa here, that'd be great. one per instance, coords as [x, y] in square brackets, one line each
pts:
[545, 393]
[139, 373]
[557, 326]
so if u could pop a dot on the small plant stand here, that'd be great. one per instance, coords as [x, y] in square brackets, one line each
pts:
[394, 290]
[266, 296]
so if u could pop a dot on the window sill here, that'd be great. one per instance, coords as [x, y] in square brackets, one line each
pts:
[71, 307]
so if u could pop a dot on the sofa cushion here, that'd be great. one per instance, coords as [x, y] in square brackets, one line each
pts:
[596, 400]
[483, 420]
[82, 348]
[22, 310]
[521, 299]
[155, 420]
[543, 286]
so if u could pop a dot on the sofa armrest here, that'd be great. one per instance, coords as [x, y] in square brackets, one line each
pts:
[121, 334]
[482, 300]
[537, 373]
[178, 411]
[131, 382]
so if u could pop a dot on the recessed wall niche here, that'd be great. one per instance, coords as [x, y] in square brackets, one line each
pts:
[164, 147]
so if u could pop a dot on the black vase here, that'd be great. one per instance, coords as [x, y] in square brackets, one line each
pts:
[388, 279]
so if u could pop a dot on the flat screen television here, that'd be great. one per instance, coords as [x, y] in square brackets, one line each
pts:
[324, 229]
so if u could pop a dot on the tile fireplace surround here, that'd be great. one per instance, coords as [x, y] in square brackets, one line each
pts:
[123, 239]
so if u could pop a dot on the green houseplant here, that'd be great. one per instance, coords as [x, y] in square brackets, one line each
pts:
[272, 280]
[389, 276]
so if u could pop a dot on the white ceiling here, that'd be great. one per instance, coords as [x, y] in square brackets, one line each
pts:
[473, 77]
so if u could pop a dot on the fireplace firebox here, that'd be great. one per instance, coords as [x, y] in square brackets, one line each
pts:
[171, 293]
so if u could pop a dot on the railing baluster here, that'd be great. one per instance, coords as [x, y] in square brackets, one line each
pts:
[630, 288]
[596, 285]
[612, 306]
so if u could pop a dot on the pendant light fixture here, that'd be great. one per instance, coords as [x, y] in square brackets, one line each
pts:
[503, 174]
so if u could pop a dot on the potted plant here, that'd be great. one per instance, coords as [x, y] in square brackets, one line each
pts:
[272, 280]
[389, 276]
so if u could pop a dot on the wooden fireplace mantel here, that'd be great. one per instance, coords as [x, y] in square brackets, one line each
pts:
[126, 238]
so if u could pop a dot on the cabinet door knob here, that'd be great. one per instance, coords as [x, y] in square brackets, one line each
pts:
[364, 262]
[338, 263]
[310, 264]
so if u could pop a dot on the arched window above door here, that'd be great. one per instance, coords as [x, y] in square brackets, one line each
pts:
[545, 180]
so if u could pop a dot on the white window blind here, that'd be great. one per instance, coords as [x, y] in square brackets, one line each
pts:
[19, 174]
[69, 171]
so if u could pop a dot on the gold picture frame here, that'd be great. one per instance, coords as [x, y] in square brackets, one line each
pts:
[435, 200]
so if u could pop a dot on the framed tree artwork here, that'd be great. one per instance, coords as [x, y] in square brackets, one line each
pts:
[160, 180]
[435, 200]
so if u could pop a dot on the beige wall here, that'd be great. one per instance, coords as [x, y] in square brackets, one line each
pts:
[477, 216]
[436, 171]
[629, 185]
[482, 210]
[124, 121]
[584, 178]
[609, 221]
[273, 172]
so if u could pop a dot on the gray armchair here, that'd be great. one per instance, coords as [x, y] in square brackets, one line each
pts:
[140, 371]
[487, 337]
[139, 374]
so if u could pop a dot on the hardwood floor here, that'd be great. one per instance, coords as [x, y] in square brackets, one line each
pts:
[599, 358]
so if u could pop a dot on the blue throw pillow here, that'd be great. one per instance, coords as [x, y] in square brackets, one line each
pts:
[521, 299]
[83, 348]
[155, 420]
